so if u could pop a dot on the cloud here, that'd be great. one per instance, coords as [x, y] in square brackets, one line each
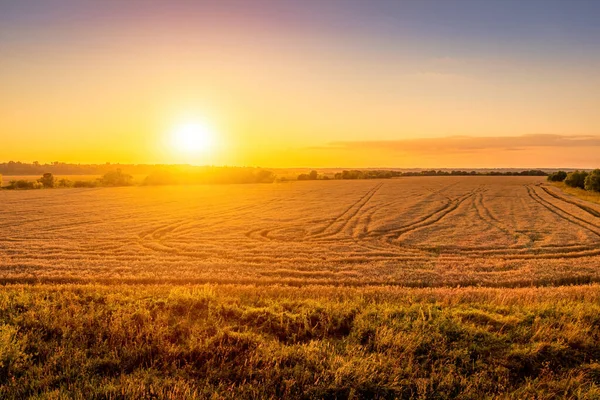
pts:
[462, 144]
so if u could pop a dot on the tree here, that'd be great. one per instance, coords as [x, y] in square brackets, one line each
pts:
[576, 179]
[264, 176]
[47, 180]
[116, 178]
[558, 176]
[592, 181]
[312, 175]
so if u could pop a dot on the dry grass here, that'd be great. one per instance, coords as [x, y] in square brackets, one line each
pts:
[586, 195]
[317, 290]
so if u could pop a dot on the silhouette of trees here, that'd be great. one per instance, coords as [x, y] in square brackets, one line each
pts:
[209, 175]
[311, 176]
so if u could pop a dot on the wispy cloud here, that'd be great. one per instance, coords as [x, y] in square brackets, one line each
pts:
[460, 144]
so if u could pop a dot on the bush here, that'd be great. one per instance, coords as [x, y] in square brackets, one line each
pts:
[558, 176]
[592, 181]
[47, 180]
[84, 184]
[116, 178]
[576, 179]
[312, 176]
[23, 184]
[64, 183]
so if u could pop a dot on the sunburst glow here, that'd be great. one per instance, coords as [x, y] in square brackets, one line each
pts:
[193, 138]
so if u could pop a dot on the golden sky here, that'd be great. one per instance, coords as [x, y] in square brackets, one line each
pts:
[302, 83]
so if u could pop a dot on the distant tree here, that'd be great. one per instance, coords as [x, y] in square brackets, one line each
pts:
[313, 175]
[265, 176]
[576, 179]
[592, 181]
[47, 180]
[116, 178]
[558, 176]
[303, 177]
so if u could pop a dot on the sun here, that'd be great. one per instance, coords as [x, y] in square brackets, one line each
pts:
[193, 138]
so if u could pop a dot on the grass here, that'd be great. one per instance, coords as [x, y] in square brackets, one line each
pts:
[586, 195]
[234, 341]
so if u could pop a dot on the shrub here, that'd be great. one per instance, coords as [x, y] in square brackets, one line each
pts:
[116, 178]
[47, 180]
[84, 184]
[64, 183]
[558, 176]
[592, 181]
[23, 184]
[576, 179]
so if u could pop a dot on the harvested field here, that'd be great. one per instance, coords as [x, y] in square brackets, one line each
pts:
[429, 231]
[301, 290]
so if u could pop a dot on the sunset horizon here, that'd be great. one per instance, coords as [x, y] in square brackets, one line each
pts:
[277, 84]
[300, 199]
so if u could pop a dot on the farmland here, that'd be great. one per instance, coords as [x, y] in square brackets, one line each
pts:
[425, 232]
[428, 287]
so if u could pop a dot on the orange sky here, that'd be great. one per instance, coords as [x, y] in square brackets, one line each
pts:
[300, 84]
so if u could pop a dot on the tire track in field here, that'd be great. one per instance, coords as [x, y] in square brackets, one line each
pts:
[445, 206]
[428, 220]
[585, 208]
[366, 231]
[486, 215]
[153, 239]
[560, 212]
[352, 217]
[345, 217]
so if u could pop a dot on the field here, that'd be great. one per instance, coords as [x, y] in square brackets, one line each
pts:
[421, 287]
[425, 232]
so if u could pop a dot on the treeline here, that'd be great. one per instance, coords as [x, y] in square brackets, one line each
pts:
[387, 174]
[167, 176]
[60, 168]
[48, 181]
[578, 179]
[210, 175]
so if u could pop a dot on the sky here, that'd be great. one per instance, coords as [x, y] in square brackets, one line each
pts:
[306, 83]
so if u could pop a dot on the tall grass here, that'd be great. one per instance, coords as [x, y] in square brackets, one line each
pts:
[82, 341]
[586, 195]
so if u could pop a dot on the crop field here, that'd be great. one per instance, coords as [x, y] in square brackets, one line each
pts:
[430, 231]
[422, 287]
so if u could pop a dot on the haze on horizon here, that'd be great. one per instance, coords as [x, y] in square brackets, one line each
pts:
[458, 84]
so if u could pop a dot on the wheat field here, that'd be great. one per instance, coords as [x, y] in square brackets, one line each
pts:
[421, 287]
[429, 231]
